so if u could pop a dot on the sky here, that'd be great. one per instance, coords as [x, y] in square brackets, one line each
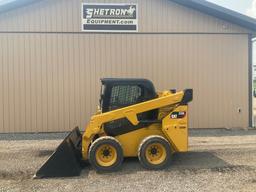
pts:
[5, 1]
[247, 7]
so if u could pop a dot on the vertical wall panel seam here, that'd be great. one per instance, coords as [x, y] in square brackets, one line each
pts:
[2, 82]
[52, 64]
[58, 82]
[36, 79]
[11, 87]
[40, 73]
[16, 72]
[30, 40]
[79, 82]
[24, 83]
[63, 80]
[8, 82]
[46, 83]
[74, 79]
[69, 80]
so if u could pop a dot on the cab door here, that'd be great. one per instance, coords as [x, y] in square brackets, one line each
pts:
[120, 96]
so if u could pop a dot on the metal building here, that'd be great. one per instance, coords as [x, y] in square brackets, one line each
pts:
[52, 57]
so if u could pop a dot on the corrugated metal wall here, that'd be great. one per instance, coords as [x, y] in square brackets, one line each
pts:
[50, 81]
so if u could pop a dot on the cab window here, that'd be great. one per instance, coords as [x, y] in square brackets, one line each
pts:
[124, 95]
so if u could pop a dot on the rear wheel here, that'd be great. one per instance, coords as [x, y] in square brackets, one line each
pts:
[106, 154]
[155, 153]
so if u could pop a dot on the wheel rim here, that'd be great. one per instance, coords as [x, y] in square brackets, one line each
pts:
[106, 155]
[156, 153]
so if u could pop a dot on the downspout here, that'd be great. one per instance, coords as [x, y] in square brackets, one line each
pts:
[251, 41]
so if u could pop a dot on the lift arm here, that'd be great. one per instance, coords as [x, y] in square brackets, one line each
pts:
[130, 113]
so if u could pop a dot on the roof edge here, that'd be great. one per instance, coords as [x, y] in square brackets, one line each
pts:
[15, 4]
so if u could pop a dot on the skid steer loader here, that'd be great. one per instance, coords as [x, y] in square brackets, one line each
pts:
[133, 121]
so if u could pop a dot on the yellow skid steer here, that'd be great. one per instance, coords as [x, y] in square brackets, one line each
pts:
[133, 121]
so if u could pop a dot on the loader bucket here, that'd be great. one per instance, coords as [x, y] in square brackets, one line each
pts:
[66, 160]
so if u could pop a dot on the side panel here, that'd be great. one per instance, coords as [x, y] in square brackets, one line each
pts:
[50, 82]
[175, 128]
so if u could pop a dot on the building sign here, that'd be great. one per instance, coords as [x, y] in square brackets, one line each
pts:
[109, 17]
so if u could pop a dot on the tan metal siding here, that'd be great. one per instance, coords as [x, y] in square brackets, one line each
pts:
[154, 16]
[50, 82]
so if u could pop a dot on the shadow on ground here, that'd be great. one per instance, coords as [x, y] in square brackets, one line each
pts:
[198, 160]
[191, 161]
[221, 132]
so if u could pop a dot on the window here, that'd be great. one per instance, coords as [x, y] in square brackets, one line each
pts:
[124, 95]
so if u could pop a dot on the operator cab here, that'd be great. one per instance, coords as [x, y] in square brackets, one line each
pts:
[119, 93]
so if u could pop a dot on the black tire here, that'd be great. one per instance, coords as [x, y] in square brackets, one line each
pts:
[147, 142]
[100, 142]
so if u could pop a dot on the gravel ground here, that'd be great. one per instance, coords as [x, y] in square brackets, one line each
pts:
[219, 160]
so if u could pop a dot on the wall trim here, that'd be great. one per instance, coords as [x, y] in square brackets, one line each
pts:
[250, 71]
[128, 33]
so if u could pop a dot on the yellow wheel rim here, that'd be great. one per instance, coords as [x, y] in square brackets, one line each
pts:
[156, 153]
[106, 155]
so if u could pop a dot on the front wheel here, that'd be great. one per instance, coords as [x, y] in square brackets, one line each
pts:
[106, 154]
[155, 153]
